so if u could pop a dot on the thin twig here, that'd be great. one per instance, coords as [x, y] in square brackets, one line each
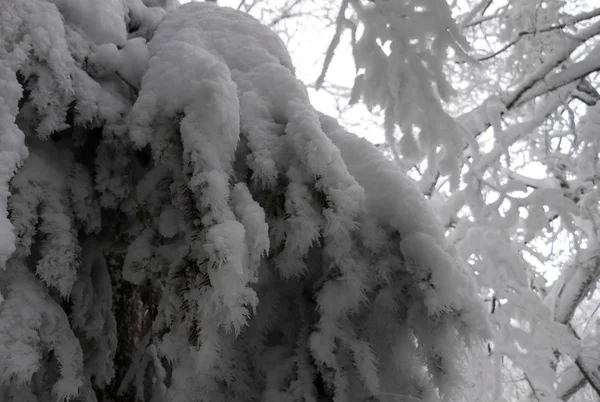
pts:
[335, 41]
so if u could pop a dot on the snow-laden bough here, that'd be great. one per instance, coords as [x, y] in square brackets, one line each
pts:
[250, 248]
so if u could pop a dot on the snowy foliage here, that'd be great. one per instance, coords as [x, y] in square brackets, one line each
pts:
[399, 60]
[180, 224]
[524, 214]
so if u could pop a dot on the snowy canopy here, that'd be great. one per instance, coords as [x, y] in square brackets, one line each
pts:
[272, 255]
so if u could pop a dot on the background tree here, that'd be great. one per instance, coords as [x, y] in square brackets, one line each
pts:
[180, 224]
[531, 180]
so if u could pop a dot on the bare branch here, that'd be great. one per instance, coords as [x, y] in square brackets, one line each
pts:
[483, 19]
[572, 21]
[496, 53]
[480, 7]
[286, 13]
[335, 41]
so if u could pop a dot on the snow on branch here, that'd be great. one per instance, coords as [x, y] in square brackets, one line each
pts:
[559, 57]
[188, 227]
[574, 72]
[399, 60]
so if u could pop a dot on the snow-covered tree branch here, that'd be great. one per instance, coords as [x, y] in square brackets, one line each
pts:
[178, 223]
